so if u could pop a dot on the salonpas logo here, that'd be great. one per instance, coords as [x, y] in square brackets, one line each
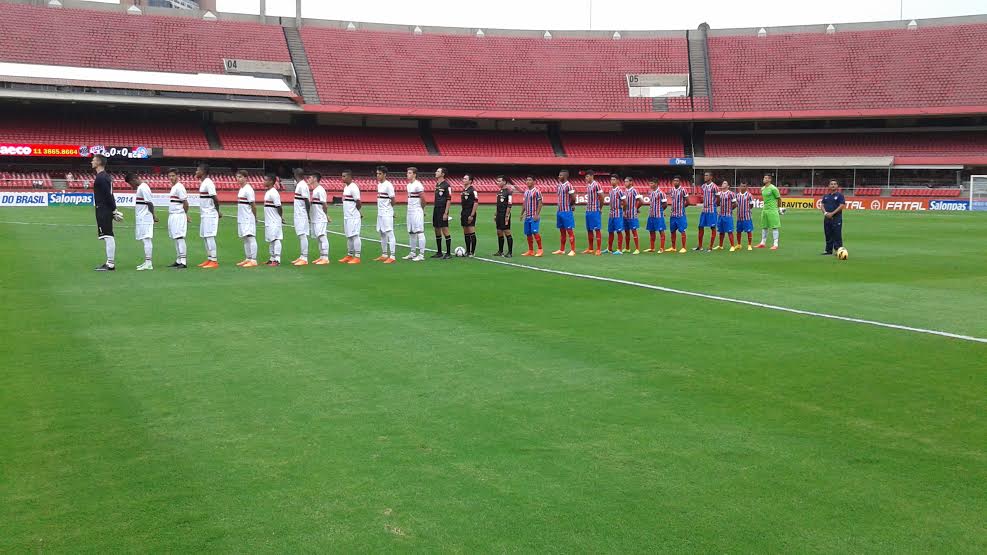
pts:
[70, 199]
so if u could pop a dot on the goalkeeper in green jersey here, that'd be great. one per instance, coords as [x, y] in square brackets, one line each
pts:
[771, 213]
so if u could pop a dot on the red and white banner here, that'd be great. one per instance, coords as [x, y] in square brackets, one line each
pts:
[872, 203]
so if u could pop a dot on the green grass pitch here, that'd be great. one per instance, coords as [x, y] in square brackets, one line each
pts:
[463, 406]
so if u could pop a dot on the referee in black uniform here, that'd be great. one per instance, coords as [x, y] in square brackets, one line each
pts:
[832, 205]
[502, 218]
[467, 216]
[106, 211]
[440, 214]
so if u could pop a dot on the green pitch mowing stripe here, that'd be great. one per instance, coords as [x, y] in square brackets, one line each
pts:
[462, 406]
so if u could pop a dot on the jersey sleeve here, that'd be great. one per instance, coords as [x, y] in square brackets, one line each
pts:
[182, 193]
[390, 190]
[301, 190]
[210, 187]
[510, 199]
[251, 196]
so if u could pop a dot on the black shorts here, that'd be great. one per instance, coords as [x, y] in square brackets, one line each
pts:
[104, 224]
[465, 221]
[437, 221]
[503, 224]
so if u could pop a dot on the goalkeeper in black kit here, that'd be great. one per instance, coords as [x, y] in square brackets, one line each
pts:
[106, 211]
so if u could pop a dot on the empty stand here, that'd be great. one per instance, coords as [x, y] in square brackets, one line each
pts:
[103, 39]
[622, 145]
[392, 69]
[849, 144]
[38, 129]
[343, 140]
[925, 192]
[492, 143]
[930, 66]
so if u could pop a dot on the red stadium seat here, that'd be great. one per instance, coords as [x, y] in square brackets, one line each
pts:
[849, 144]
[492, 143]
[343, 140]
[39, 129]
[622, 145]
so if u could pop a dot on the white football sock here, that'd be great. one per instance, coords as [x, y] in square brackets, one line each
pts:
[775, 233]
[383, 243]
[357, 243]
[276, 250]
[211, 248]
[303, 245]
[111, 250]
[392, 243]
[253, 249]
[246, 248]
[764, 236]
[148, 249]
[323, 246]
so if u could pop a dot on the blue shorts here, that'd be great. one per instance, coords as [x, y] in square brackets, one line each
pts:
[656, 224]
[678, 224]
[593, 221]
[631, 224]
[565, 220]
[725, 224]
[745, 225]
[615, 225]
[708, 219]
[531, 227]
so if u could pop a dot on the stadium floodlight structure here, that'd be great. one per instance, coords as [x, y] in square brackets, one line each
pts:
[912, 25]
[762, 32]
[616, 35]
[54, 4]
[978, 192]
[418, 30]
[480, 34]
[831, 29]
[134, 10]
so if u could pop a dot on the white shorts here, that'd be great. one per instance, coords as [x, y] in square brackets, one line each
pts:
[351, 227]
[385, 222]
[177, 226]
[301, 224]
[273, 233]
[208, 227]
[319, 228]
[246, 229]
[416, 222]
[144, 231]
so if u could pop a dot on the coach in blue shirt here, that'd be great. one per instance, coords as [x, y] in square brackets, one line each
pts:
[832, 205]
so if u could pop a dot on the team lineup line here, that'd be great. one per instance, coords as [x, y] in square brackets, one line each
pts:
[663, 289]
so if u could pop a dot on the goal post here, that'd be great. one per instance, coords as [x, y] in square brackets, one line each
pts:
[978, 192]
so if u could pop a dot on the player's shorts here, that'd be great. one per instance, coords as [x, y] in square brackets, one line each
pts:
[351, 226]
[565, 220]
[273, 232]
[385, 223]
[502, 222]
[531, 227]
[708, 219]
[104, 224]
[416, 221]
[725, 224]
[615, 225]
[770, 219]
[302, 225]
[177, 226]
[246, 229]
[631, 224]
[656, 223]
[319, 228]
[678, 224]
[745, 225]
[437, 220]
[144, 231]
[466, 221]
[593, 221]
[208, 226]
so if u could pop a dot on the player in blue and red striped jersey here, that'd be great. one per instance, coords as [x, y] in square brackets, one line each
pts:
[564, 220]
[631, 223]
[726, 201]
[594, 201]
[708, 217]
[656, 215]
[745, 222]
[678, 199]
[615, 224]
[532, 217]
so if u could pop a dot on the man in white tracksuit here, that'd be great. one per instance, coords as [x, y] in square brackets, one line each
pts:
[385, 217]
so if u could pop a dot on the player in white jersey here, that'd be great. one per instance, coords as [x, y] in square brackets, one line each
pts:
[246, 220]
[416, 216]
[144, 218]
[351, 218]
[273, 219]
[301, 210]
[178, 219]
[209, 215]
[320, 219]
[385, 217]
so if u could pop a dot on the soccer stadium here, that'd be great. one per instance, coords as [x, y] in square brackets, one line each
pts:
[370, 287]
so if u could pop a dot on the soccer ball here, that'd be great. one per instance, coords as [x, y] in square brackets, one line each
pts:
[460, 251]
[781, 211]
[842, 253]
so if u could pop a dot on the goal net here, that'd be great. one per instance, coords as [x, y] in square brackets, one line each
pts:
[978, 192]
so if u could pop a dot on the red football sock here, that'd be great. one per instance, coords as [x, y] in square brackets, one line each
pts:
[721, 239]
[702, 233]
[599, 239]
[562, 239]
[572, 239]
[662, 240]
[750, 238]
[653, 237]
[531, 242]
[674, 240]
[538, 240]
[610, 242]
[589, 236]
[738, 237]
[712, 239]
[637, 241]
[731, 240]
[620, 241]
[683, 240]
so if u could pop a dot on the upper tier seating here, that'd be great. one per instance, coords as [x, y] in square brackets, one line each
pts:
[492, 143]
[849, 144]
[77, 130]
[344, 140]
[622, 145]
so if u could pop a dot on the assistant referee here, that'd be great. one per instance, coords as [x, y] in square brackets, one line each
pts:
[832, 205]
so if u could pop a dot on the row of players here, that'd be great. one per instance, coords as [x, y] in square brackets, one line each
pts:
[311, 217]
